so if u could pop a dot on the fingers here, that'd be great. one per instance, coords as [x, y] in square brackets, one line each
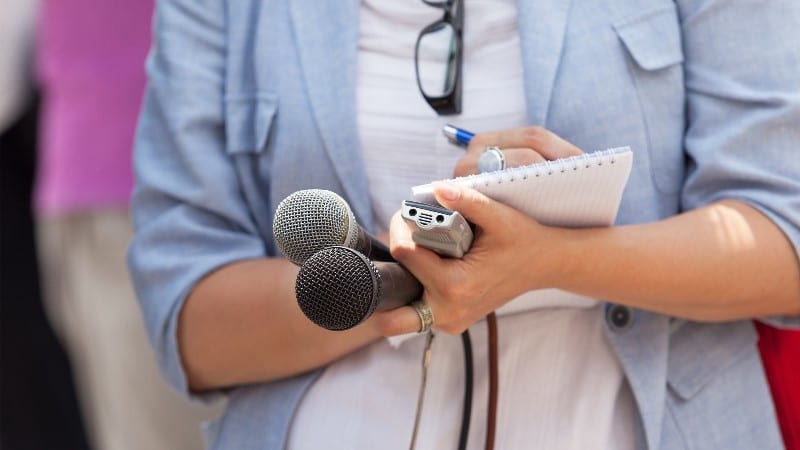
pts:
[520, 146]
[475, 206]
[397, 321]
[545, 142]
[516, 157]
[458, 291]
[383, 238]
[423, 263]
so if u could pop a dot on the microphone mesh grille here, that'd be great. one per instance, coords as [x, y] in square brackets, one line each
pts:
[308, 221]
[337, 288]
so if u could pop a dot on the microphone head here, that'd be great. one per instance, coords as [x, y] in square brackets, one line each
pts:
[310, 220]
[338, 287]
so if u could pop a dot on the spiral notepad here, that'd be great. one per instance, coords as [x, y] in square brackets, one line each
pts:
[579, 191]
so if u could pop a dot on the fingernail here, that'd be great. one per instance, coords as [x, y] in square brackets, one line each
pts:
[447, 191]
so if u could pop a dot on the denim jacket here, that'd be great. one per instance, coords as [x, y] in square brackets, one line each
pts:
[251, 100]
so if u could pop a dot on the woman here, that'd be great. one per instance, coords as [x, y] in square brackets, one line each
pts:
[249, 102]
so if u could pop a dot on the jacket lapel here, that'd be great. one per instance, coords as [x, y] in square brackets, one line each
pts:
[642, 352]
[327, 36]
[542, 27]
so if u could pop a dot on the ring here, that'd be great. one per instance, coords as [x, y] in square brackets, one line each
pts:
[491, 159]
[425, 315]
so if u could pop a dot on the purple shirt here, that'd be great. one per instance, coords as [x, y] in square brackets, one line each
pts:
[90, 66]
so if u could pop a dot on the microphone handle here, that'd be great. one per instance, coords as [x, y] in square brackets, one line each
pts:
[372, 248]
[398, 286]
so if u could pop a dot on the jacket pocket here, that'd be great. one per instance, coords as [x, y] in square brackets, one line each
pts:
[700, 352]
[653, 42]
[248, 121]
[652, 38]
[718, 395]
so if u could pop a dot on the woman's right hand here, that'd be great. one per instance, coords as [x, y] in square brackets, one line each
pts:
[511, 254]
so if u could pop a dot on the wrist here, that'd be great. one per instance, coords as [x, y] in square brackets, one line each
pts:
[587, 259]
[554, 259]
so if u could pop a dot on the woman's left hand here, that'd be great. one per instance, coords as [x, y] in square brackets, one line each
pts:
[520, 146]
[511, 254]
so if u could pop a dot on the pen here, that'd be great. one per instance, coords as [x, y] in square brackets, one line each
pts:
[456, 135]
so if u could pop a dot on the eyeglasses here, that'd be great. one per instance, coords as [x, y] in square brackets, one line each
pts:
[437, 58]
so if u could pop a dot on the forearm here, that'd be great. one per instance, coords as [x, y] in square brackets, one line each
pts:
[242, 324]
[721, 262]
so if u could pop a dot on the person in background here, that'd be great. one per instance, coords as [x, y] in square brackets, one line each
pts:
[38, 406]
[90, 70]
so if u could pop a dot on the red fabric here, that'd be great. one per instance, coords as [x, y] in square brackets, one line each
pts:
[780, 353]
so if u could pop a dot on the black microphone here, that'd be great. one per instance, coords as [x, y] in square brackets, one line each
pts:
[310, 220]
[338, 287]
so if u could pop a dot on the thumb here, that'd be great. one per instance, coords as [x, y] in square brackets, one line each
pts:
[473, 205]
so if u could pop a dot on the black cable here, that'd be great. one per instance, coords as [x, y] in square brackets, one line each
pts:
[465, 418]
[491, 413]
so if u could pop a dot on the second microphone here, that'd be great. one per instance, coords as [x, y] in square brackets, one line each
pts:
[338, 287]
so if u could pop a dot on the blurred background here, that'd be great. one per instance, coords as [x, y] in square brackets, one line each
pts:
[77, 370]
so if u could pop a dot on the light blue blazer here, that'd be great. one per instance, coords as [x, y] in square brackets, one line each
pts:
[251, 100]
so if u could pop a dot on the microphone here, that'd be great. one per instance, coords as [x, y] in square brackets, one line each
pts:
[338, 287]
[310, 220]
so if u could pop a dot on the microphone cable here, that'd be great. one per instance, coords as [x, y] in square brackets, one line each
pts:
[463, 436]
[491, 413]
[426, 360]
[466, 341]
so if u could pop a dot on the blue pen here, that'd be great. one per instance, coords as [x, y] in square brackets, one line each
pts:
[457, 136]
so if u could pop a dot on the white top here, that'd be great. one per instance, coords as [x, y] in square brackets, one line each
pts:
[560, 383]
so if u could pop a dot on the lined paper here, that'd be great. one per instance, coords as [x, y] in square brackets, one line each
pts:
[579, 191]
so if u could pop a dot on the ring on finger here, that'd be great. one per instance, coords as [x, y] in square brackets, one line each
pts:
[492, 159]
[425, 315]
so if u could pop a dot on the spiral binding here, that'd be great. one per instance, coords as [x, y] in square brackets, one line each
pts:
[574, 163]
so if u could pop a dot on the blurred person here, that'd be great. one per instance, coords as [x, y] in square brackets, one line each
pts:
[90, 68]
[38, 406]
[251, 101]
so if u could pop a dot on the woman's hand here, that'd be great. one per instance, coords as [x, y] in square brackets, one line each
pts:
[520, 146]
[511, 254]
[506, 258]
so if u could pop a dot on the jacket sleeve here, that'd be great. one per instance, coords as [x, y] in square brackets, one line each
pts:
[189, 214]
[742, 73]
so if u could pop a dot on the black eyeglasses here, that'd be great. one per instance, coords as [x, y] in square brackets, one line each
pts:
[437, 58]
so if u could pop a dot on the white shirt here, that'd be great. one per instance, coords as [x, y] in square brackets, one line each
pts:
[560, 383]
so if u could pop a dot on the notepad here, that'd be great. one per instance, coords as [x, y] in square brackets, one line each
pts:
[579, 191]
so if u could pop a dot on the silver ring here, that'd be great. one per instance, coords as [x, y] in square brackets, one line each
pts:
[425, 315]
[491, 159]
